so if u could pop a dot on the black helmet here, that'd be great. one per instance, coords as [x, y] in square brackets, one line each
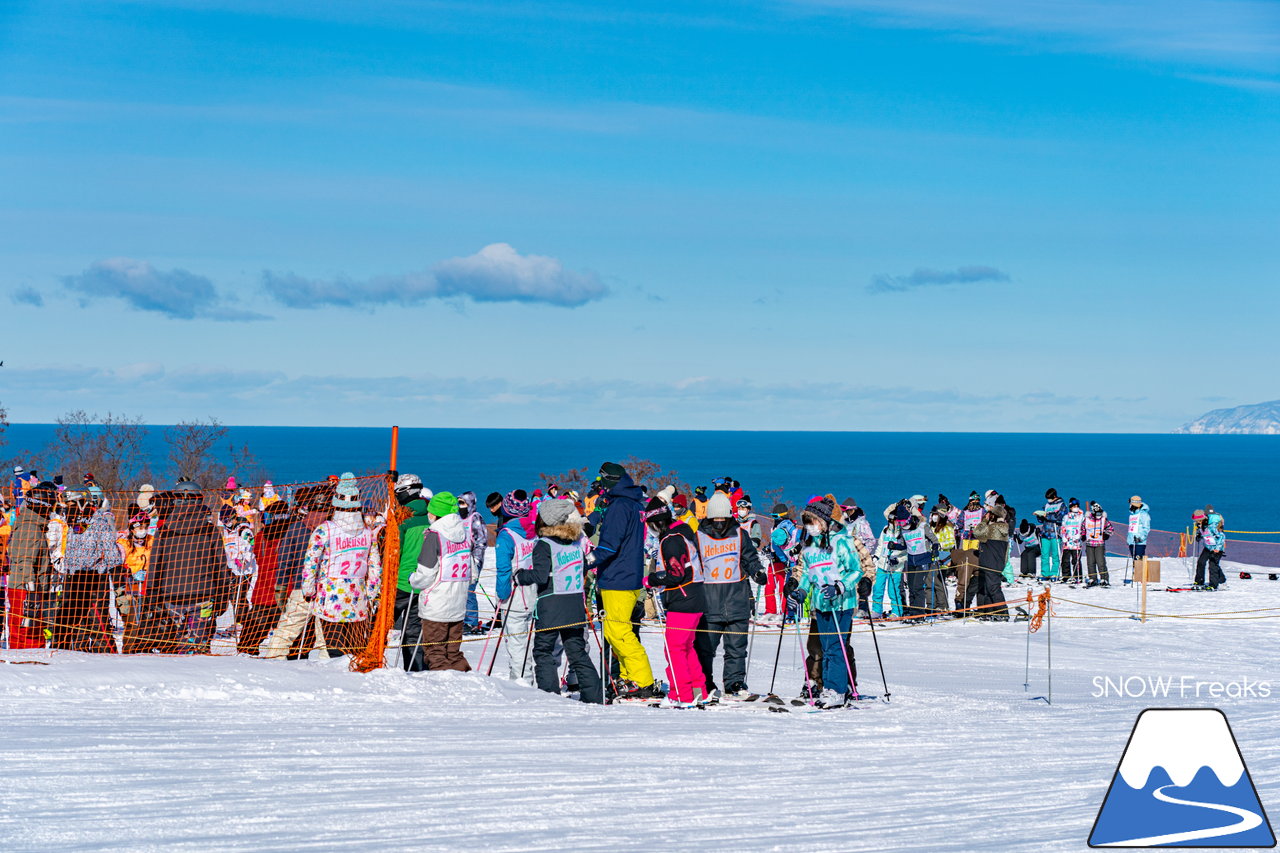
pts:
[41, 495]
[186, 485]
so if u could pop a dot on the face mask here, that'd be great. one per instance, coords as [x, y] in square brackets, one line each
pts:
[463, 511]
[813, 530]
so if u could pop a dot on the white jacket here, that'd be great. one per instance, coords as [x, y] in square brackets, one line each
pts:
[444, 582]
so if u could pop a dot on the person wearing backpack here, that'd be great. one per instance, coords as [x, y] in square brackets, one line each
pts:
[730, 563]
[1209, 528]
[680, 577]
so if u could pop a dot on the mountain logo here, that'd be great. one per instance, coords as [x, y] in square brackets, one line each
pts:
[1182, 782]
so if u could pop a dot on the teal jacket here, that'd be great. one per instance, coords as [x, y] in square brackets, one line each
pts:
[411, 532]
[836, 561]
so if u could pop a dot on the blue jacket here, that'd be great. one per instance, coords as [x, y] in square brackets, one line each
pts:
[1054, 511]
[1139, 525]
[1215, 539]
[504, 552]
[790, 535]
[837, 560]
[619, 556]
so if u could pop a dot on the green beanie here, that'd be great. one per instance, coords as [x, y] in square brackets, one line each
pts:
[442, 504]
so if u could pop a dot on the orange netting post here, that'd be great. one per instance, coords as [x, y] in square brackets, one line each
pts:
[373, 656]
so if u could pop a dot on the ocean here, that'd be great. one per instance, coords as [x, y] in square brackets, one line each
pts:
[1174, 474]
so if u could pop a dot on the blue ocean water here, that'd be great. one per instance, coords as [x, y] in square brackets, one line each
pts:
[1174, 474]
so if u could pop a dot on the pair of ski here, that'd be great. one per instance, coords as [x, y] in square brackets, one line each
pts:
[771, 703]
[800, 706]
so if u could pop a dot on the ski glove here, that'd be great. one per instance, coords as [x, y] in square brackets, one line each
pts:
[790, 586]
[797, 596]
[832, 591]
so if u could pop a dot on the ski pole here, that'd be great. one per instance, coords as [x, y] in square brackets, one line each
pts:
[528, 642]
[502, 630]
[879, 660]
[773, 697]
[800, 643]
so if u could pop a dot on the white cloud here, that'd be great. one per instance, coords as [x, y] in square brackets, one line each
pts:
[175, 293]
[497, 273]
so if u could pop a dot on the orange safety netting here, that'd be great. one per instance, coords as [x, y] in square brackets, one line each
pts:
[268, 570]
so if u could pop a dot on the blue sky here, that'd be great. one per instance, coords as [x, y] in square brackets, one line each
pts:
[825, 214]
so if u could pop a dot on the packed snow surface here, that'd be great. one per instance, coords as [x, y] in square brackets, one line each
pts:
[234, 753]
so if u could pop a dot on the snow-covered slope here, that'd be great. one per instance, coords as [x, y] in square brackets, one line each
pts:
[239, 754]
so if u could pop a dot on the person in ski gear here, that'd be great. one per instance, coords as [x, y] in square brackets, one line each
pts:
[618, 561]
[992, 534]
[681, 513]
[188, 583]
[1051, 535]
[296, 631]
[478, 536]
[90, 558]
[679, 576]
[890, 560]
[263, 611]
[443, 575]
[1097, 530]
[412, 498]
[1139, 528]
[831, 568]
[965, 560]
[946, 536]
[947, 508]
[342, 572]
[1210, 530]
[920, 543]
[557, 570]
[514, 553]
[131, 577]
[30, 592]
[730, 563]
[1028, 538]
[746, 518]
[1072, 542]
[784, 553]
[855, 522]
[700, 502]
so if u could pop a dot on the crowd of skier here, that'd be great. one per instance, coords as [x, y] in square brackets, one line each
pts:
[302, 570]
